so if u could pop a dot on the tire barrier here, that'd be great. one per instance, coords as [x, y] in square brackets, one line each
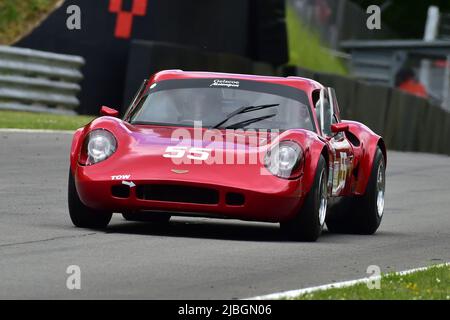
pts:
[406, 122]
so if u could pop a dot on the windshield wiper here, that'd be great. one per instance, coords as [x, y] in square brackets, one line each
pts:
[245, 109]
[245, 123]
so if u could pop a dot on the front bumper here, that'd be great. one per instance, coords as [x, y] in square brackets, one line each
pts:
[273, 203]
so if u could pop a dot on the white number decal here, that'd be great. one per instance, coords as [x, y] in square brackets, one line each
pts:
[175, 152]
[341, 170]
[201, 154]
[344, 166]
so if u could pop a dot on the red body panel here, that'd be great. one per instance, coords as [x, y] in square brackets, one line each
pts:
[364, 154]
[139, 158]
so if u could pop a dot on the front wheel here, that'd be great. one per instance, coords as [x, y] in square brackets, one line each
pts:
[82, 216]
[309, 222]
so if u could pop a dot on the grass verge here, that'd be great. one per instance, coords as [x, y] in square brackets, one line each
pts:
[28, 120]
[430, 284]
[17, 17]
[306, 49]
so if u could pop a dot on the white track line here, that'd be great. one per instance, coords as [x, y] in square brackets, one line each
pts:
[296, 293]
[5, 130]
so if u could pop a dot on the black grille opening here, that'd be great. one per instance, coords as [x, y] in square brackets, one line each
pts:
[121, 191]
[174, 193]
[235, 199]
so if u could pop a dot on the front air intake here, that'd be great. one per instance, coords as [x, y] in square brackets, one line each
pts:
[234, 199]
[177, 193]
[120, 191]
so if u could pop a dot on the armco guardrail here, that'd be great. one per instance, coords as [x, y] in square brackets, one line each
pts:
[406, 122]
[32, 80]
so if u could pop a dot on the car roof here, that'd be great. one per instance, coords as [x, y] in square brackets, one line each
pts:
[305, 84]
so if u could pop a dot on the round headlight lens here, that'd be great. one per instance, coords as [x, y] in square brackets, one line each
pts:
[101, 145]
[287, 157]
[283, 159]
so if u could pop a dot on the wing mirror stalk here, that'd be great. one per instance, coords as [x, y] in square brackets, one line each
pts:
[339, 127]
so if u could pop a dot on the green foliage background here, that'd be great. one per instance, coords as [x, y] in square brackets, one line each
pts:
[306, 49]
[19, 16]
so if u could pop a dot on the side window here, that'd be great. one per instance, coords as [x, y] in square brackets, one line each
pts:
[325, 114]
[316, 100]
[336, 118]
[335, 107]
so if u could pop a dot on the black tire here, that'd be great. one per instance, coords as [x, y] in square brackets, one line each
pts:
[360, 214]
[306, 226]
[82, 216]
[147, 217]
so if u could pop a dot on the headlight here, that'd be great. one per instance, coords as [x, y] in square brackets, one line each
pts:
[283, 159]
[100, 145]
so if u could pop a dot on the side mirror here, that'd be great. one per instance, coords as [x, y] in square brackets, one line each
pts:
[105, 111]
[339, 127]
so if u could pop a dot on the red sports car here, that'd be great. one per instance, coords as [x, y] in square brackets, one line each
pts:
[230, 146]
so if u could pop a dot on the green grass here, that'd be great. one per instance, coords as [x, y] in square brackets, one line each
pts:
[18, 17]
[28, 120]
[430, 284]
[306, 49]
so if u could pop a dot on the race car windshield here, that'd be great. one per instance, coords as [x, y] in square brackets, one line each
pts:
[216, 103]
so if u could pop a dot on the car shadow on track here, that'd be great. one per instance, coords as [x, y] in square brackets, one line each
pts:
[209, 230]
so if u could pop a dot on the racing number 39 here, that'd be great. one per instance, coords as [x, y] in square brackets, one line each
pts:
[201, 154]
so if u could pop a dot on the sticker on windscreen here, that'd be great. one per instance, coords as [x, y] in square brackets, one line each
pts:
[225, 83]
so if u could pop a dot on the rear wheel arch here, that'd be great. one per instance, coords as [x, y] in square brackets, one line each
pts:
[362, 214]
[366, 163]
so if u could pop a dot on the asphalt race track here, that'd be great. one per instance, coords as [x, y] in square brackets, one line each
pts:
[198, 258]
